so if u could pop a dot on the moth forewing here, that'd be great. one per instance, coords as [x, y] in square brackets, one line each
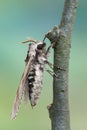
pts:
[20, 90]
[26, 93]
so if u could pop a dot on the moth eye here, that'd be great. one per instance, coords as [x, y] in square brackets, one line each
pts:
[40, 46]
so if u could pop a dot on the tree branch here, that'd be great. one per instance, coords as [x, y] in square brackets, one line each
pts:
[61, 35]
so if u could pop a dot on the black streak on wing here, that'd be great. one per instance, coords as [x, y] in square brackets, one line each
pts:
[20, 90]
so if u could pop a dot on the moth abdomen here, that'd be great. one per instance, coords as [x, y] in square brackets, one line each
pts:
[32, 74]
[31, 79]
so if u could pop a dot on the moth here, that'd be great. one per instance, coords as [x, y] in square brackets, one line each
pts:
[32, 78]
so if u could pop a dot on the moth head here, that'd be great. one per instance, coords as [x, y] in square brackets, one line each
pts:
[41, 46]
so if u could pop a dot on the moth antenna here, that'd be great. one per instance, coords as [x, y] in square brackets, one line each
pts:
[30, 40]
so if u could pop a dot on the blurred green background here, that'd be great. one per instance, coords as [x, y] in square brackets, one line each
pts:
[33, 18]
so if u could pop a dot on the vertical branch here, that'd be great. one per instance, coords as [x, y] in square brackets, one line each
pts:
[61, 35]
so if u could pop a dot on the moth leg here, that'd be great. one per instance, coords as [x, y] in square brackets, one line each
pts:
[44, 38]
[48, 51]
[52, 73]
[53, 66]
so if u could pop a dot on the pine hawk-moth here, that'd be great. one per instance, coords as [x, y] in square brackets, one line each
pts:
[32, 78]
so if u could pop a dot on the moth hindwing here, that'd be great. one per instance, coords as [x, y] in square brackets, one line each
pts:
[31, 81]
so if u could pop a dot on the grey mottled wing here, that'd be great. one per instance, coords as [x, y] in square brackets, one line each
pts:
[26, 92]
[20, 90]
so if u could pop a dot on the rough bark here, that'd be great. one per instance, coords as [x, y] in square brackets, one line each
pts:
[61, 35]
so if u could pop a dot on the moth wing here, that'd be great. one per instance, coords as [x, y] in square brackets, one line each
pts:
[20, 90]
[26, 93]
